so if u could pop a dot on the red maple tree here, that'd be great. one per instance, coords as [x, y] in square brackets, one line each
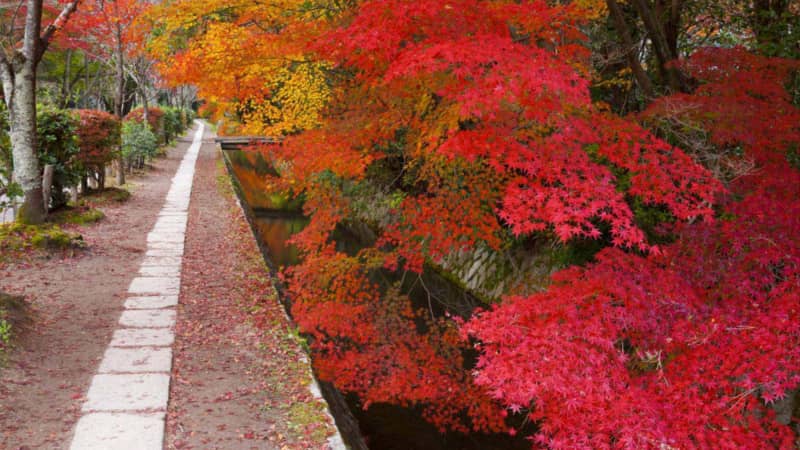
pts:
[498, 138]
[687, 348]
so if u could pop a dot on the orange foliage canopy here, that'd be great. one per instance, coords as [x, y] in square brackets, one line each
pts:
[246, 58]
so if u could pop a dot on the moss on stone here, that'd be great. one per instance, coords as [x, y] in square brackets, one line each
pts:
[78, 216]
[107, 195]
[306, 417]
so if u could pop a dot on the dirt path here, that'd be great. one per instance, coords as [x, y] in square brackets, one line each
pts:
[240, 378]
[77, 302]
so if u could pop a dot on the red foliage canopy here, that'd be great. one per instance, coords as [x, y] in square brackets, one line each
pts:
[155, 117]
[522, 110]
[98, 136]
[499, 135]
[682, 349]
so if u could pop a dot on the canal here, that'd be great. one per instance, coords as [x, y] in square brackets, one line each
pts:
[382, 426]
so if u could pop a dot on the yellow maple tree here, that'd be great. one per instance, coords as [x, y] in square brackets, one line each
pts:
[246, 58]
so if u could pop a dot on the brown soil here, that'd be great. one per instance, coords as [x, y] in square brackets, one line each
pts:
[240, 377]
[76, 301]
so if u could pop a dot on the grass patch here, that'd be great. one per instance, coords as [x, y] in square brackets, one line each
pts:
[17, 240]
[107, 195]
[78, 215]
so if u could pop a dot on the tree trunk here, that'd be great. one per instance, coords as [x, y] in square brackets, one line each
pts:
[119, 100]
[47, 186]
[66, 86]
[642, 79]
[145, 106]
[87, 96]
[22, 121]
[665, 53]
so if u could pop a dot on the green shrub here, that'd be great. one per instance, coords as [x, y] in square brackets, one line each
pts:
[188, 116]
[138, 142]
[57, 144]
[173, 124]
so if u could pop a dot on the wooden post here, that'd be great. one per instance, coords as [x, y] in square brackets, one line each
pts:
[47, 185]
[120, 167]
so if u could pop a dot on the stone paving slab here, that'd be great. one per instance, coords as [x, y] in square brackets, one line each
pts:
[134, 392]
[161, 261]
[155, 285]
[164, 213]
[165, 252]
[166, 245]
[174, 211]
[172, 236]
[153, 302]
[148, 318]
[176, 207]
[137, 337]
[136, 360]
[167, 227]
[119, 431]
[175, 219]
[160, 271]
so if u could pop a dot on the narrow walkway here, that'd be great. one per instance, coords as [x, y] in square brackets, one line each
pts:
[127, 399]
[240, 377]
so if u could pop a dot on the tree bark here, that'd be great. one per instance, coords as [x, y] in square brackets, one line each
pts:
[66, 85]
[85, 98]
[642, 79]
[665, 53]
[119, 100]
[20, 95]
[47, 185]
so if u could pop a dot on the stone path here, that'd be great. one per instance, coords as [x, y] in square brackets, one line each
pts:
[127, 399]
